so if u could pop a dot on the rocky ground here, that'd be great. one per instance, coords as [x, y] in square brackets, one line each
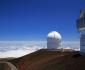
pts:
[44, 59]
[51, 60]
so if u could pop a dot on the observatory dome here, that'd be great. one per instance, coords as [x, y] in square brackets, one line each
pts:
[54, 34]
[53, 40]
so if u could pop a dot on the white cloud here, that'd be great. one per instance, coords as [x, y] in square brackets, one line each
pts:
[15, 53]
[67, 48]
[20, 48]
[71, 44]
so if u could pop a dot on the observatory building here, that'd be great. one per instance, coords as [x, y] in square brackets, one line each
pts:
[53, 40]
[81, 29]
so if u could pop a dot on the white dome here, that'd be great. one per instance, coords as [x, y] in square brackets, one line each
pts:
[54, 34]
[53, 40]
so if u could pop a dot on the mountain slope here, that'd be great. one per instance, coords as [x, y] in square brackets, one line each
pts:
[51, 60]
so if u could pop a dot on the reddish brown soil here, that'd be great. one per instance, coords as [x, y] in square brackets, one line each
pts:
[51, 60]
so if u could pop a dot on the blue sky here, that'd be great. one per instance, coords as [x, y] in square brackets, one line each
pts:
[33, 19]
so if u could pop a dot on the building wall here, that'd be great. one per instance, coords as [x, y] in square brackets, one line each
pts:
[80, 23]
[82, 42]
[53, 43]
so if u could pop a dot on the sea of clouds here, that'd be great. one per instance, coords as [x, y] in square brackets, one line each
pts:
[21, 48]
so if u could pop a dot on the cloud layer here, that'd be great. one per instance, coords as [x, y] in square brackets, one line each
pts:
[21, 48]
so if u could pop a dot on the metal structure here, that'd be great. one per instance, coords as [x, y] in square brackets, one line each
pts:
[53, 40]
[81, 29]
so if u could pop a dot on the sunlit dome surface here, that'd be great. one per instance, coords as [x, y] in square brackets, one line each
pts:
[54, 34]
[54, 41]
